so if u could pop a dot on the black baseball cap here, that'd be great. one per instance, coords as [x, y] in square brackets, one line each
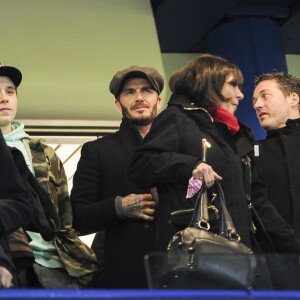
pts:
[12, 73]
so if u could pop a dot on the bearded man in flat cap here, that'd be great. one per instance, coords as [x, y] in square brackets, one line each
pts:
[104, 199]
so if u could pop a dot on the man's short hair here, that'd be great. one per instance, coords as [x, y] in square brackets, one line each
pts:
[287, 83]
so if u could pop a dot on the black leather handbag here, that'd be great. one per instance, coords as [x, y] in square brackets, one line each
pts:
[202, 259]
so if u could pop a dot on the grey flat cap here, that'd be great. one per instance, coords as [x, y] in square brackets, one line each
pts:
[150, 74]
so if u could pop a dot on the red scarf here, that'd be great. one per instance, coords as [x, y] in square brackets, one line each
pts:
[223, 116]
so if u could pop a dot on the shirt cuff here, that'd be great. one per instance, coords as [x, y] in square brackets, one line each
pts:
[118, 207]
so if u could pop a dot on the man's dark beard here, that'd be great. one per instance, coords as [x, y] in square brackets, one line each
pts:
[139, 122]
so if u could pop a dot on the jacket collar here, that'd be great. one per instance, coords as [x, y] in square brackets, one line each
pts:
[292, 128]
[186, 104]
[295, 123]
[127, 125]
[129, 134]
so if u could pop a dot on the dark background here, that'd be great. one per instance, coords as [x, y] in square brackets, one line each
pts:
[254, 34]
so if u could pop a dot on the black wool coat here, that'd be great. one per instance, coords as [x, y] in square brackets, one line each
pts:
[15, 204]
[101, 175]
[282, 235]
[278, 166]
[170, 152]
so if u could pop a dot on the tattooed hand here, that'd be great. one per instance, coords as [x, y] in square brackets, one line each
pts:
[138, 206]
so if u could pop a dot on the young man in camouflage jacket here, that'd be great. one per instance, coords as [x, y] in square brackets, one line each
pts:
[61, 260]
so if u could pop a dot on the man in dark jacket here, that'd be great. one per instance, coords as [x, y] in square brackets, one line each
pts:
[103, 197]
[15, 211]
[276, 101]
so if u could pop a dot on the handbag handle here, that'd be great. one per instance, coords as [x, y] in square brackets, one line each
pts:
[200, 216]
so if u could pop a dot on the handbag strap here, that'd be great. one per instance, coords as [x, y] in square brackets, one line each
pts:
[229, 229]
[200, 216]
[201, 209]
[247, 171]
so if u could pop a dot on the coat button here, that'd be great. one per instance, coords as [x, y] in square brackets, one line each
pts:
[146, 225]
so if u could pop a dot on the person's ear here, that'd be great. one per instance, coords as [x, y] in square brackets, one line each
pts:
[159, 101]
[118, 105]
[294, 99]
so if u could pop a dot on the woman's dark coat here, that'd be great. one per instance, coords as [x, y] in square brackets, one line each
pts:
[170, 152]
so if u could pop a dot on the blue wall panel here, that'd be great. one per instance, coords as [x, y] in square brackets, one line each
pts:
[256, 46]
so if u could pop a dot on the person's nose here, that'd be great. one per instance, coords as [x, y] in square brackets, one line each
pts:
[258, 104]
[3, 96]
[240, 95]
[139, 96]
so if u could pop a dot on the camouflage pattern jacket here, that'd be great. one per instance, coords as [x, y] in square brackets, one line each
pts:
[78, 259]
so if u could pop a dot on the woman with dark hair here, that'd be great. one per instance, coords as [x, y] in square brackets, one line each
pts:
[205, 95]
